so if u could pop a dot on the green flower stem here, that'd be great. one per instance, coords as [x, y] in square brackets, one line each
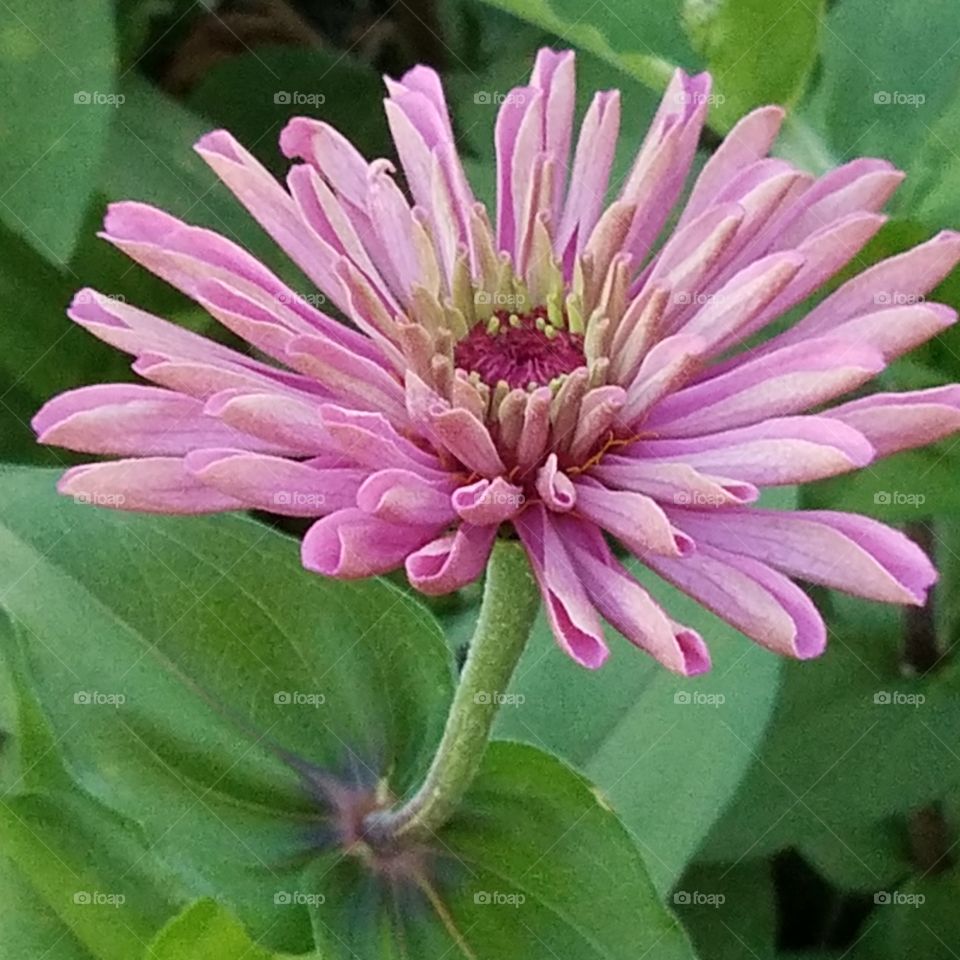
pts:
[510, 604]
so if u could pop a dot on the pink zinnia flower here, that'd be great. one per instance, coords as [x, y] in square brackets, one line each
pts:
[561, 373]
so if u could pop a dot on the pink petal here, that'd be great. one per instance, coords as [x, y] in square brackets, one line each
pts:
[351, 544]
[132, 420]
[676, 483]
[488, 502]
[747, 594]
[555, 487]
[785, 382]
[275, 484]
[452, 561]
[750, 140]
[403, 496]
[625, 604]
[634, 519]
[902, 421]
[849, 553]
[779, 451]
[147, 485]
[573, 619]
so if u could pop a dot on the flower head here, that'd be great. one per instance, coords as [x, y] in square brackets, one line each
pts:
[565, 373]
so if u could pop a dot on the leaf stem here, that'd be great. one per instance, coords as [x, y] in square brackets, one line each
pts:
[510, 604]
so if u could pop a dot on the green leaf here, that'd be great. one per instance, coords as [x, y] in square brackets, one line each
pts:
[729, 911]
[643, 40]
[759, 52]
[206, 931]
[184, 663]
[535, 865]
[150, 157]
[889, 88]
[643, 734]
[28, 926]
[57, 76]
[41, 351]
[90, 868]
[852, 741]
[908, 486]
[918, 920]
[255, 94]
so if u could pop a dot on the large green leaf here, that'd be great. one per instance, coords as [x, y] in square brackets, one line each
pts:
[41, 351]
[643, 734]
[28, 926]
[644, 40]
[759, 52]
[852, 741]
[150, 157]
[254, 95]
[535, 865]
[90, 868]
[918, 920]
[183, 662]
[729, 911]
[889, 89]
[57, 76]
[206, 931]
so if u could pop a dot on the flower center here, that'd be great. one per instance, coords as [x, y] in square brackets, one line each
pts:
[522, 351]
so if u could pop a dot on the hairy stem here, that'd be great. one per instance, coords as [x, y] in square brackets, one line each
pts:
[510, 603]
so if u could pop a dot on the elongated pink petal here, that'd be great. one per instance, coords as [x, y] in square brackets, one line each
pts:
[902, 421]
[131, 420]
[747, 142]
[621, 600]
[676, 483]
[788, 381]
[853, 554]
[575, 623]
[146, 485]
[779, 451]
[761, 603]
[632, 518]
[275, 484]
[901, 280]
